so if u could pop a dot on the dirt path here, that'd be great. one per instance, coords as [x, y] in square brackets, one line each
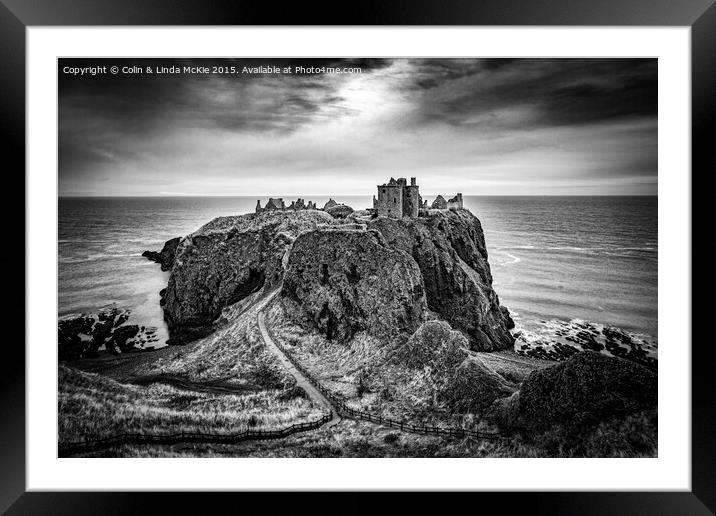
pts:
[301, 380]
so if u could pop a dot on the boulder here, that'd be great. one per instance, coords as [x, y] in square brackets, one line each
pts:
[474, 387]
[343, 281]
[449, 247]
[434, 344]
[582, 391]
[165, 257]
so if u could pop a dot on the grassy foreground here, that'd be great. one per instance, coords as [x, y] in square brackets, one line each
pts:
[356, 439]
[92, 406]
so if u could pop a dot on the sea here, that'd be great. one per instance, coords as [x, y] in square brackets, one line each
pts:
[554, 260]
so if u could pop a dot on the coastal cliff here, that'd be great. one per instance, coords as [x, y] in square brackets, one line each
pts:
[225, 261]
[449, 247]
[342, 275]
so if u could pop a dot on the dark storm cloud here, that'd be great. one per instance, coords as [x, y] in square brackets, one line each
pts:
[549, 91]
[510, 118]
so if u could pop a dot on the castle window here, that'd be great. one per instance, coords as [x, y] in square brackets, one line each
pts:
[383, 190]
[394, 200]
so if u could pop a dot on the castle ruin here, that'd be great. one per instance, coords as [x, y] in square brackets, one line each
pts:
[397, 199]
[279, 205]
[455, 203]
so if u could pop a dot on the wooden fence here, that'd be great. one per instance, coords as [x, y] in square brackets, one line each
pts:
[346, 411]
[67, 449]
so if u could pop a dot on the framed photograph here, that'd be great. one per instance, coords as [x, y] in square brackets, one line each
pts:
[443, 249]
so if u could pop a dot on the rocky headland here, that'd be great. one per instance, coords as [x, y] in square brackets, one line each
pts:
[341, 272]
[165, 257]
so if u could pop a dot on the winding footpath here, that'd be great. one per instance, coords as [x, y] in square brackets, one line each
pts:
[316, 396]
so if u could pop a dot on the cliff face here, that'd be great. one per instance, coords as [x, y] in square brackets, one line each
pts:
[449, 247]
[344, 281]
[225, 261]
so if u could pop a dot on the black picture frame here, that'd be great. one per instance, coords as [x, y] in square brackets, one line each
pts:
[17, 15]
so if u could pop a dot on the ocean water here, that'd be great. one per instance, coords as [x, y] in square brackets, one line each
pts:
[553, 259]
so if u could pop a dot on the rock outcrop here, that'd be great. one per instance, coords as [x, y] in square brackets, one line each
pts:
[339, 211]
[437, 371]
[449, 247]
[582, 391]
[82, 335]
[225, 261]
[343, 281]
[165, 257]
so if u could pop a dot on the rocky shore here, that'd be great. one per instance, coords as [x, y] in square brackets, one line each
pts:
[560, 340]
[84, 335]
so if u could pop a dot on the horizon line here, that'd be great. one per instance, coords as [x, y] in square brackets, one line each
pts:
[305, 196]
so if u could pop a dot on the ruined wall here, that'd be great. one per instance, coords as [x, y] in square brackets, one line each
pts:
[455, 203]
[390, 201]
[411, 201]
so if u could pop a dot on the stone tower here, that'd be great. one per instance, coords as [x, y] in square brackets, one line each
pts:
[411, 200]
[397, 200]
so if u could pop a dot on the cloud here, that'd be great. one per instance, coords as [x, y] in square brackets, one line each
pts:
[498, 125]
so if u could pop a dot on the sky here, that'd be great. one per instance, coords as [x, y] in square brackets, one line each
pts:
[478, 126]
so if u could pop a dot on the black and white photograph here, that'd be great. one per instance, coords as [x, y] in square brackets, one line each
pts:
[359, 257]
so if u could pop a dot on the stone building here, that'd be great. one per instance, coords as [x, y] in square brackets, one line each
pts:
[455, 203]
[397, 199]
[439, 203]
[275, 204]
[330, 204]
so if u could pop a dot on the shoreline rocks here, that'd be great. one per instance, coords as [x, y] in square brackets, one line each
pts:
[559, 340]
[85, 335]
